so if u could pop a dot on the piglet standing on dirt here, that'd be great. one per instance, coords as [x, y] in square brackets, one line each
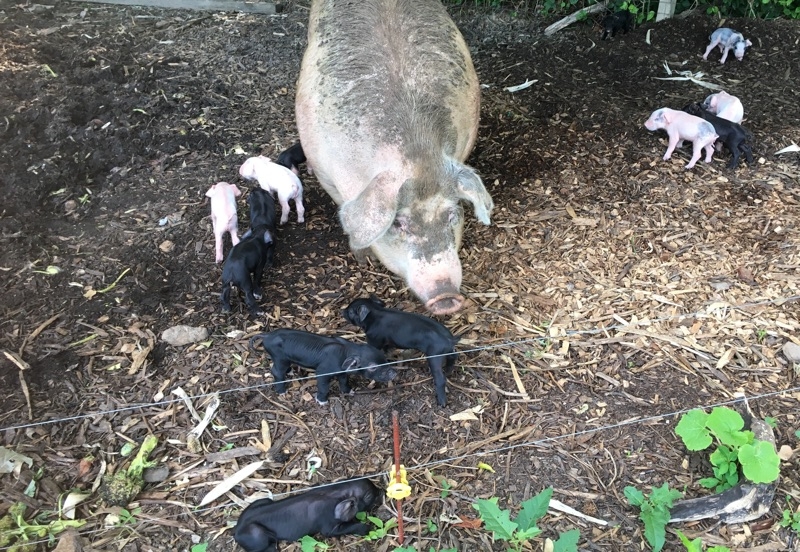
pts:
[618, 21]
[278, 179]
[252, 254]
[392, 328]
[682, 126]
[327, 510]
[329, 356]
[726, 106]
[732, 135]
[292, 157]
[727, 39]
[223, 214]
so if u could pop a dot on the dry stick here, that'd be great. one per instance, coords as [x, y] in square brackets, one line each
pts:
[22, 365]
[399, 501]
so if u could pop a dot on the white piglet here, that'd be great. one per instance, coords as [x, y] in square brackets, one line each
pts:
[223, 213]
[725, 106]
[682, 126]
[278, 179]
[728, 39]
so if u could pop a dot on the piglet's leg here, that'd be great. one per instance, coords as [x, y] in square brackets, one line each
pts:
[283, 199]
[301, 210]
[709, 152]
[344, 385]
[234, 229]
[323, 389]
[697, 150]
[725, 54]
[710, 47]
[439, 381]
[280, 366]
[347, 528]
[673, 142]
[225, 296]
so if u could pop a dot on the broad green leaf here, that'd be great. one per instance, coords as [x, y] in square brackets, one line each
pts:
[722, 454]
[719, 549]
[567, 541]
[664, 495]
[695, 545]
[760, 463]
[655, 520]
[709, 482]
[534, 509]
[310, 544]
[634, 495]
[527, 534]
[405, 549]
[494, 519]
[692, 430]
[200, 547]
[726, 425]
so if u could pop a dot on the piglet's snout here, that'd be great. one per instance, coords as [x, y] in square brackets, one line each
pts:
[381, 374]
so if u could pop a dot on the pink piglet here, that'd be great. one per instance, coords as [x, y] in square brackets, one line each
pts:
[223, 213]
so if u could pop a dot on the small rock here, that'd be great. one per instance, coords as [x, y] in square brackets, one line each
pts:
[184, 335]
[156, 474]
[792, 352]
[166, 246]
[70, 205]
[69, 541]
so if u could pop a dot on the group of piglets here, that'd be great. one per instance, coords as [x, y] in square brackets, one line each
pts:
[336, 357]
[714, 121]
[255, 251]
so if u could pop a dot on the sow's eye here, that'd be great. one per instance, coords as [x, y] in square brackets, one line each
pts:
[401, 223]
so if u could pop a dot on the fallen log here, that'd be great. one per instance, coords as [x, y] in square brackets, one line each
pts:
[570, 19]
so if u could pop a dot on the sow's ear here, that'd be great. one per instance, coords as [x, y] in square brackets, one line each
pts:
[470, 187]
[346, 510]
[367, 217]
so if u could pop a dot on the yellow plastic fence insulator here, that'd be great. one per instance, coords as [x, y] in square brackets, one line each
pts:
[398, 489]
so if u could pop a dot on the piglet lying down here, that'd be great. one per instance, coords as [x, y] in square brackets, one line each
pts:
[328, 510]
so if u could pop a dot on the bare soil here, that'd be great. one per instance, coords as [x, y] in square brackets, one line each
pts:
[612, 291]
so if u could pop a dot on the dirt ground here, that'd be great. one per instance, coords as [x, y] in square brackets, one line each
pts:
[612, 290]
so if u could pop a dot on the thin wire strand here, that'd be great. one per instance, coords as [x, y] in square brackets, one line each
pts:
[509, 344]
[497, 450]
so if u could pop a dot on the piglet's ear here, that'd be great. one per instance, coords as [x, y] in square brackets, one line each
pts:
[346, 510]
[236, 191]
[363, 312]
[211, 190]
[374, 298]
[268, 237]
[351, 363]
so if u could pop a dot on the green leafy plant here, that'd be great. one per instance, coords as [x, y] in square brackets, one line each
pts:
[696, 545]
[653, 511]
[199, 547]
[521, 529]
[310, 544]
[381, 528]
[790, 519]
[128, 517]
[15, 532]
[735, 447]
[640, 10]
[431, 526]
